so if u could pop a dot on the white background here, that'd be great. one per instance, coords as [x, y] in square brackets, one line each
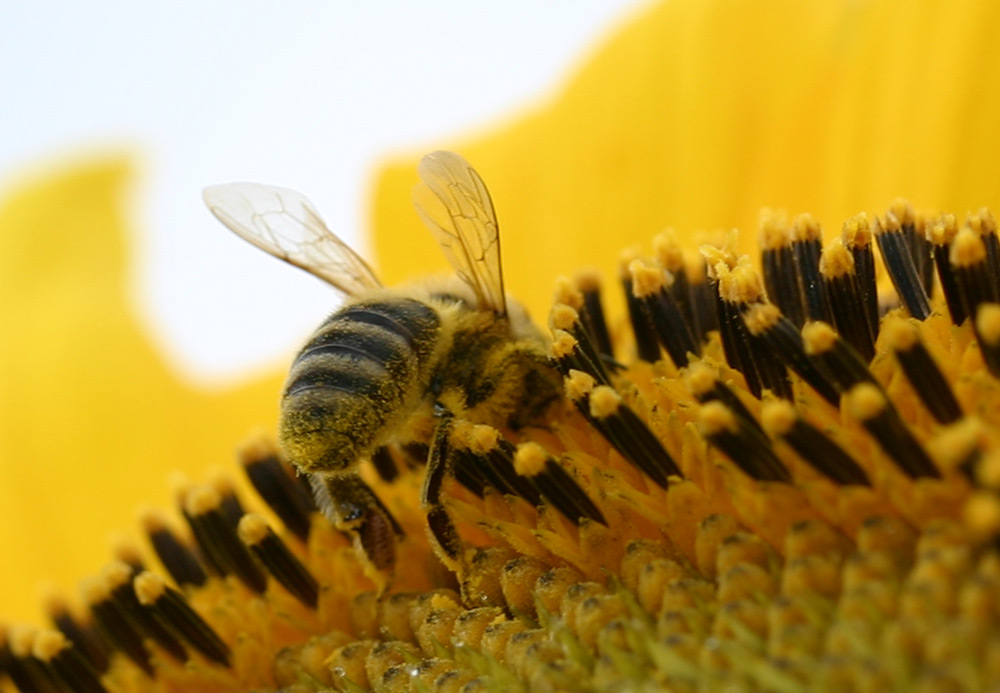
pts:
[308, 95]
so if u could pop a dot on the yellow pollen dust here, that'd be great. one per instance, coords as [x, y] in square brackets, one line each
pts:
[252, 529]
[530, 459]
[668, 252]
[777, 417]
[774, 231]
[761, 317]
[988, 323]
[568, 293]
[563, 343]
[149, 587]
[903, 211]
[857, 231]
[740, 284]
[818, 337]
[563, 317]
[48, 644]
[646, 280]
[836, 260]
[806, 228]
[604, 402]
[715, 417]
[864, 401]
[483, 439]
[942, 230]
[699, 379]
[587, 280]
[900, 334]
[201, 499]
[967, 249]
[117, 573]
[578, 384]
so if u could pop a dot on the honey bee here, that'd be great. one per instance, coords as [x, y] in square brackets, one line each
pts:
[397, 365]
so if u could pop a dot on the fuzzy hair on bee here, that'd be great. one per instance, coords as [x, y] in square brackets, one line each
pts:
[397, 365]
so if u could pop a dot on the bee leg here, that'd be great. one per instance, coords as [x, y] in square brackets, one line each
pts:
[442, 529]
[353, 507]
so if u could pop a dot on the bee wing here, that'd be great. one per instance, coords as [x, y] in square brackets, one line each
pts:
[454, 203]
[286, 224]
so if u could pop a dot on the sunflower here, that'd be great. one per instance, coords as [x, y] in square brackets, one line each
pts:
[774, 467]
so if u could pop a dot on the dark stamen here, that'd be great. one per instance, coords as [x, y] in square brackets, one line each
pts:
[922, 372]
[847, 310]
[68, 665]
[663, 312]
[744, 444]
[647, 348]
[781, 277]
[555, 484]
[834, 356]
[113, 623]
[703, 301]
[272, 552]
[857, 238]
[821, 453]
[202, 507]
[670, 256]
[170, 608]
[807, 245]
[941, 232]
[741, 288]
[274, 481]
[592, 312]
[580, 353]
[119, 580]
[19, 662]
[913, 230]
[985, 225]
[484, 447]
[176, 556]
[706, 387]
[898, 259]
[973, 275]
[867, 403]
[621, 427]
[765, 321]
[86, 641]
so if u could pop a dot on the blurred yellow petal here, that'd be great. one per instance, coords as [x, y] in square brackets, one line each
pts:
[92, 421]
[698, 114]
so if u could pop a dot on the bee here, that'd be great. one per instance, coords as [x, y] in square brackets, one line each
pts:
[397, 365]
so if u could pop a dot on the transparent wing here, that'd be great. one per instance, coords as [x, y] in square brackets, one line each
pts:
[286, 224]
[454, 203]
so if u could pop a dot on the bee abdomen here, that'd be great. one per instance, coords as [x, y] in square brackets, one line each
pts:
[351, 378]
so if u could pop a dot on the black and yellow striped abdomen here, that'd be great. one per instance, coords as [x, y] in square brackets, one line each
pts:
[353, 379]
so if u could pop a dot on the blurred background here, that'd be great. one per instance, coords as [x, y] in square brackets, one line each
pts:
[308, 95]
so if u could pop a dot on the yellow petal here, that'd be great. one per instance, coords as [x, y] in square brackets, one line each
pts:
[698, 114]
[92, 422]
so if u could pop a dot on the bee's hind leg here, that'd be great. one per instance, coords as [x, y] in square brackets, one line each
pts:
[442, 530]
[353, 507]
